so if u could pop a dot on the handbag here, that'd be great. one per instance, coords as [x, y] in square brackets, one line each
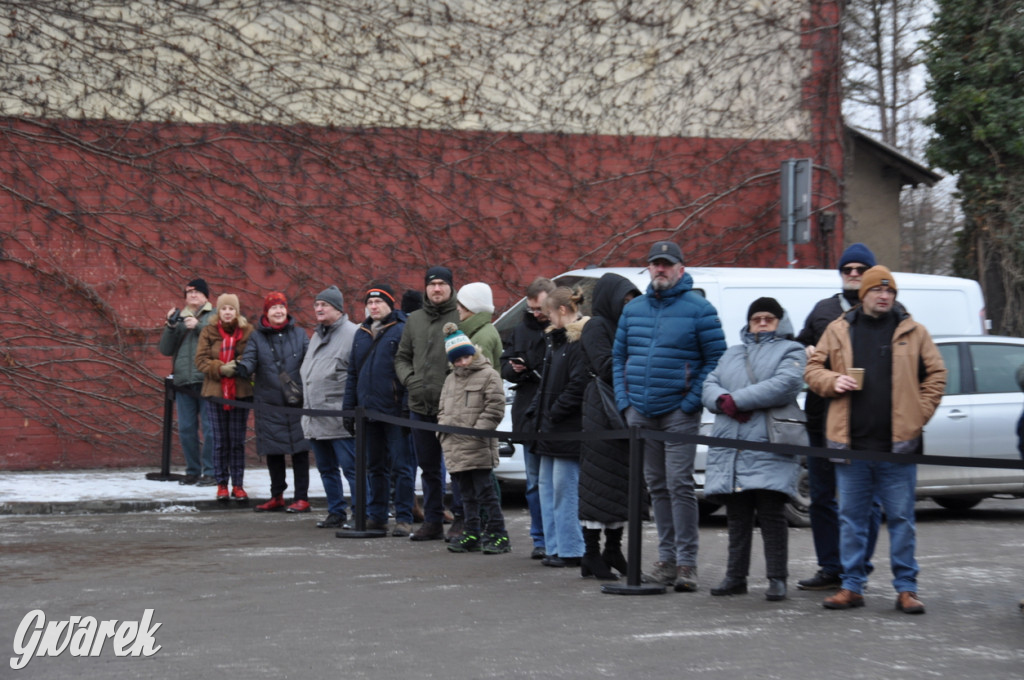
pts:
[607, 393]
[290, 390]
[785, 424]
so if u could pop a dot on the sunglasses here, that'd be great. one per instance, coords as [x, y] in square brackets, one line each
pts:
[854, 270]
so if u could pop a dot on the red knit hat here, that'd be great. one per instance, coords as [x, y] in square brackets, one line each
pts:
[272, 299]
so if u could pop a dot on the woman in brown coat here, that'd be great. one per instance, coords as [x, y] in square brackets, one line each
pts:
[220, 346]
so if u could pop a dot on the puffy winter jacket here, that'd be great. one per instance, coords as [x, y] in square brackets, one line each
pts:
[372, 382]
[666, 345]
[778, 364]
[484, 335]
[472, 396]
[421, 363]
[558, 405]
[267, 353]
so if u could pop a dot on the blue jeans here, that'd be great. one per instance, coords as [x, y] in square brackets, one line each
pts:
[859, 483]
[332, 454]
[388, 457]
[668, 469]
[532, 461]
[190, 414]
[559, 488]
[824, 513]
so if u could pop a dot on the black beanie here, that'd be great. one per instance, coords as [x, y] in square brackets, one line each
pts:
[199, 285]
[382, 292]
[765, 304]
[411, 301]
[439, 272]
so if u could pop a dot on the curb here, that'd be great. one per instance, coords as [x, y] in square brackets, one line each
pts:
[96, 507]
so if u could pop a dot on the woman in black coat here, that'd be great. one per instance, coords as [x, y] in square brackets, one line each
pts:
[604, 463]
[277, 345]
[557, 407]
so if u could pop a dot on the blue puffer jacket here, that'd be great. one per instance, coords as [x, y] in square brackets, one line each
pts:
[372, 382]
[666, 344]
[778, 364]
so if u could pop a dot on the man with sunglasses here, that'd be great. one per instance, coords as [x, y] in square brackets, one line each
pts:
[824, 510]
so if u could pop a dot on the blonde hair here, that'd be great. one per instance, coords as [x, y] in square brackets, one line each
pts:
[563, 296]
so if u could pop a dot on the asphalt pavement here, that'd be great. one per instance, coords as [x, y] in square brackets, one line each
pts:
[239, 594]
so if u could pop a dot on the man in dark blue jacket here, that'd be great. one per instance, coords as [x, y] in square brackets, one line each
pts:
[667, 343]
[373, 385]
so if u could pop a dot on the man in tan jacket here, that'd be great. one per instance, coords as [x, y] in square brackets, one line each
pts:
[902, 378]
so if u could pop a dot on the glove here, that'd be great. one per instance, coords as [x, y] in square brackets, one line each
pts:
[727, 405]
[228, 370]
[350, 424]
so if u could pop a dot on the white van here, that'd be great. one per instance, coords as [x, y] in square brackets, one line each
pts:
[945, 305]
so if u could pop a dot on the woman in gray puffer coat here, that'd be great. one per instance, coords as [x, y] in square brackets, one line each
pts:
[754, 483]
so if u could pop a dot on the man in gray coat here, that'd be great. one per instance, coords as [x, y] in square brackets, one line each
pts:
[179, 340]
[324, 373]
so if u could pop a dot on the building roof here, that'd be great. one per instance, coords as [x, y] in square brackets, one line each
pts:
[910, 171]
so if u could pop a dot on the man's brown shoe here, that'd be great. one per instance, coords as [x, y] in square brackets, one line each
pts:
[844, 599]
[908, 603]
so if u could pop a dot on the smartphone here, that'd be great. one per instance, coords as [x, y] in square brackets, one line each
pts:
[517, 360]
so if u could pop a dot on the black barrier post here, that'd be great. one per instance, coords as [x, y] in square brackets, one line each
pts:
[165, 453]
[633, 585]
[359, 529]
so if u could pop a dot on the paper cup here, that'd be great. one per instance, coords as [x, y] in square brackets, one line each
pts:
[858, 375]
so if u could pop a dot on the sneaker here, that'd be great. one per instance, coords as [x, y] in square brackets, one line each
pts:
[206, 480]
[496, 544]
[429, 531]
[298, 506]
[239, 494]
[402, 529]
[464, 542]
[686, 579]
[222, 492]
[823, 580]
[275, 504]
[332, 521]
[188, 480]
[663, 573]
[538, 553]
[455, 530]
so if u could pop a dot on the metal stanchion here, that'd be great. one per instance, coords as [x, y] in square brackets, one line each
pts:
[165, 453]
[359, 493]
[633, 585]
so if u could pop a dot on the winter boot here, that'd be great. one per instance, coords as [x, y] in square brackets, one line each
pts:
[591, 564]
[612, 554]
[275, 504]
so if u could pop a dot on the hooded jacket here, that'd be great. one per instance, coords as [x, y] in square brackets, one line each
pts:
[918, 379]
[324, 374]
[666, 344]
[420, 362]
[558, 405]
[268, 352]
[372, 382]
[604, 463]
[484, 335]
[472, 396]
[778, 364]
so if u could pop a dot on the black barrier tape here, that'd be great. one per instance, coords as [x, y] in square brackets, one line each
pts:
[657, 435]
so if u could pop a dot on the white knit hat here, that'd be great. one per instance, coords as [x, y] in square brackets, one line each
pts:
[476, 297]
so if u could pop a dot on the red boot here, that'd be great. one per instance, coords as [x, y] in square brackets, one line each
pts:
[274, 504]
[239, 494]
[222, 492]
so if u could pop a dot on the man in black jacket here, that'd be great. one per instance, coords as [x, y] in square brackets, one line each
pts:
[824, 510]
[521, 364]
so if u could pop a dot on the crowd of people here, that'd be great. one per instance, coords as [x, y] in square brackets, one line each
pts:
[651, 359]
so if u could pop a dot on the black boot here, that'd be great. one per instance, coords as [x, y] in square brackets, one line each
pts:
[730, 586]
[591, 564]
[612, 554]
[776, 589]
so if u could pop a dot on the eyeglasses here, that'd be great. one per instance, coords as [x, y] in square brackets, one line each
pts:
[854, 270]
[763, 319]
[535, 310]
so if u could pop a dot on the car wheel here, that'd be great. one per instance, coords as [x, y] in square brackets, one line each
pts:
[798, 512]
[958, 503]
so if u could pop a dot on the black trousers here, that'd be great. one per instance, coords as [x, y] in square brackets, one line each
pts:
[767, 507]
[276, 465]
[478, 494]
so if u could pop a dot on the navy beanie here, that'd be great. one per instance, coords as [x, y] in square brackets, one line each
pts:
[857, 252]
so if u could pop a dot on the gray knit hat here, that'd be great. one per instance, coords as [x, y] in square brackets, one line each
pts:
[333, 297]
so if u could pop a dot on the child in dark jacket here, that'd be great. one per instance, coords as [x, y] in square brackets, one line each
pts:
[473, 397]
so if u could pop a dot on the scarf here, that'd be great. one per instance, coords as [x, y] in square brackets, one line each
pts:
[266, 323]
[227, 353]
